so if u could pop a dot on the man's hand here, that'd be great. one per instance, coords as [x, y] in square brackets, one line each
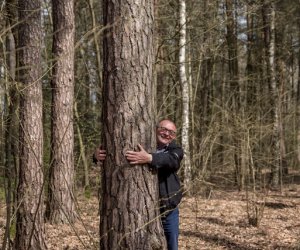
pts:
[138, 157]
[100, 154]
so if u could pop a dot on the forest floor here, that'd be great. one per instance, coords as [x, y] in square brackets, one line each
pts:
[219, 221]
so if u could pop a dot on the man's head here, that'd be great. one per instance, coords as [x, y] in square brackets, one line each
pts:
[165, 132]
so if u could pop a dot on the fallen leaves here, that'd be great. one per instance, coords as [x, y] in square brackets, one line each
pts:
[217, 223]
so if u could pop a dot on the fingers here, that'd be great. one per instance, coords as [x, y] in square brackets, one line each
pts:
[101, 151]
[140, 147]
[138, 157]
[134, 157]
[131, 156]
[130, 152]
[100, 154]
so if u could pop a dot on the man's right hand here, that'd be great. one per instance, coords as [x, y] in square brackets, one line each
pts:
[100, 154]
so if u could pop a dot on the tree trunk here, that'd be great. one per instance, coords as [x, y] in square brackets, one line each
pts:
[298, 100]
[61, 205]
[96, 42]
[11, 101]
[185, 94]
[82, 151]
[234, 93]
[283, 166]
[275, 96]
[30, 222]
[129, 202]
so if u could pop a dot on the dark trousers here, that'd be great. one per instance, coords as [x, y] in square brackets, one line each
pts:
[170, 224]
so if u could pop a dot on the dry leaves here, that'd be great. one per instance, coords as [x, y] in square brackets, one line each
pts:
[220, 222]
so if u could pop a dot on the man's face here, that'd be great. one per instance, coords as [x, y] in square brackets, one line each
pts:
[165, 132]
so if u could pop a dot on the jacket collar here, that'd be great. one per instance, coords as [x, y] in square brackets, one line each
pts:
[165, 147]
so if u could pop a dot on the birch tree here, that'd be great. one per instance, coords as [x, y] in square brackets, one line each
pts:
[185, 93]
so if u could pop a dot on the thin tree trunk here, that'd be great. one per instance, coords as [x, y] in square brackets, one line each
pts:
[274, 91]
[96, 33]
[82, 151]
[10, 164]
[185, 94]
[10, 128]
[282, 110]
[234, 93]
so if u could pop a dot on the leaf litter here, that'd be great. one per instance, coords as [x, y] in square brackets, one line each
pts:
[219, 222]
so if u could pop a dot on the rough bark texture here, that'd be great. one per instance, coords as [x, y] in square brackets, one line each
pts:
[61, 206]
[10, 127]
[129, 206]
[30, 223]
[298, 99]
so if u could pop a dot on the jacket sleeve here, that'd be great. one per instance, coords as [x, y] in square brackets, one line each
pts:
[95, 161]
[170, 159]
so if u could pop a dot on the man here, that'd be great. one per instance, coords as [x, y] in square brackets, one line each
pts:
[166, 160]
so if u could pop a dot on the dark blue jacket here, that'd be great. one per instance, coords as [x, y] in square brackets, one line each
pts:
[167, 162]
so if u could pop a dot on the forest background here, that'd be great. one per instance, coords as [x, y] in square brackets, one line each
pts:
[226, 72]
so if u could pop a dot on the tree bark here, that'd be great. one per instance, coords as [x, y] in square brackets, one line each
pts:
[82, 151]
[10, 126]
[30, 223]
[298, 99]
[275, 167]
[129, 202]
[234, 99]
[61, 205]
[185, 94]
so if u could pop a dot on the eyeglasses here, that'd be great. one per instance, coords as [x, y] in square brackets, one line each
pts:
[165, 130]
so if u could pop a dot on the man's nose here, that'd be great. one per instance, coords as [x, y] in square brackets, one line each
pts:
[168, 133]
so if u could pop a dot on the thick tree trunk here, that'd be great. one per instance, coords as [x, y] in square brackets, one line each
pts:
[61, 205]
[129, 201]
[30, 222]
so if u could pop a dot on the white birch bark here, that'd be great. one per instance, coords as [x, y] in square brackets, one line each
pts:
[185, 93]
